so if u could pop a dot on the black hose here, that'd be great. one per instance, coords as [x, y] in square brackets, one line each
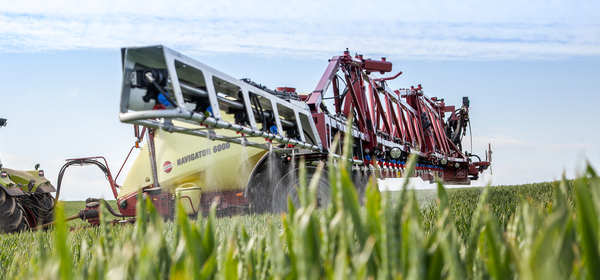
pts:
[164, 93]
[112, 211]
[81, 162]
[259, 108]
[345, 89]
[339, 96]
[472, 155]
[309, 138]
[37, 203]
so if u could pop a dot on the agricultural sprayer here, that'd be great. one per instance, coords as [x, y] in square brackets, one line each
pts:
[211, 137]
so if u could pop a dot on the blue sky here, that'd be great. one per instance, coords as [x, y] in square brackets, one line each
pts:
[530, 68]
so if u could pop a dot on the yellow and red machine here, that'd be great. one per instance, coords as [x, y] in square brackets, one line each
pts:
[211, 136]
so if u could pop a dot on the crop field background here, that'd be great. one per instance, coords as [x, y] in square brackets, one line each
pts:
[534, 231]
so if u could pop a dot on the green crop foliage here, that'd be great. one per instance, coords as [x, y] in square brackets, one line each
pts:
[534, 231]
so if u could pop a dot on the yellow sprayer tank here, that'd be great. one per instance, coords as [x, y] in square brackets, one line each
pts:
[187, 164]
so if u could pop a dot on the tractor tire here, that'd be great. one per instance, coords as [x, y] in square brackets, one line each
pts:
[44, 209]
[12, 216]
[288, 185]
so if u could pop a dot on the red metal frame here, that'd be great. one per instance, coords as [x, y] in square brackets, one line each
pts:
[225, 200]
[403, 118]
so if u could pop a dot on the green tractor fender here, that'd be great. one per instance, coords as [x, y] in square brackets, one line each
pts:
[31, 181]
[9, 186]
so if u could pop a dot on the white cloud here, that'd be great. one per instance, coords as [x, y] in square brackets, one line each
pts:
[536, 11]
[431, 30]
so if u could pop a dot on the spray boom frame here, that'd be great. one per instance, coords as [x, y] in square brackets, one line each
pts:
[389, 124]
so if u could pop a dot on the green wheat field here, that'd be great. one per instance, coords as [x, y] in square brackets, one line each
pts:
[535, 231]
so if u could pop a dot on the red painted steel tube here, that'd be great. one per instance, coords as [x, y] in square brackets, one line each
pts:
[388, 78]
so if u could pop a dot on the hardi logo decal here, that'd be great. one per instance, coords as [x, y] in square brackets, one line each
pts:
[167, 167]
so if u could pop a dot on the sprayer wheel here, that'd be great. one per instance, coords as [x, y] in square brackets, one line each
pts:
[266, 174]
[12, 217]
[288, 187]
[261, 194]
[361, 180]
